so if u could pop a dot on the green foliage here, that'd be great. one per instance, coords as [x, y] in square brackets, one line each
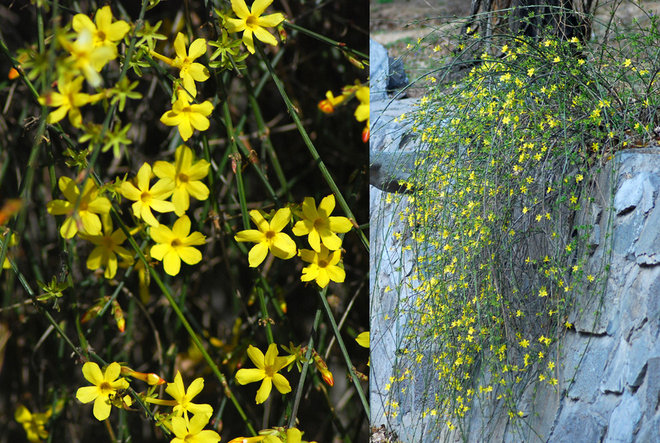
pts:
[495, 216]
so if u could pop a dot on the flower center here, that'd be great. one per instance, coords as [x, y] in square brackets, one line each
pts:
[323, 263]
[252, 22]
[270, 235]
[101, 36]
[145, 197]
[107, 242]
[175, 243]
[106, 388]
[319, 223]
[183, 178]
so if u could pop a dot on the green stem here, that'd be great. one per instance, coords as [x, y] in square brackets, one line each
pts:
[303, 372]
[310, 146]
[349, 364]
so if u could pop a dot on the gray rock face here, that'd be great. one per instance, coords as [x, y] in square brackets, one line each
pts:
[609, 365]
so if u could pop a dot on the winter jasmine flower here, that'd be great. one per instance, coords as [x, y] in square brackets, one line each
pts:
[319, 226]
[186, 175]
[108, 247]
[89, 205]
[103, 30]
[251, 22]
[188, 116]
[175, 245]
[323, 266]
[267, 368]
[146, 197]
[268, 237]
[189, 70]
[105, 387]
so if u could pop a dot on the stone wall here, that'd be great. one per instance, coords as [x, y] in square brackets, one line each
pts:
[608, 364]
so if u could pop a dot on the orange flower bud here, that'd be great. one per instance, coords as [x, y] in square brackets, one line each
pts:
[326, 107]
[365, 134]
[13, 73]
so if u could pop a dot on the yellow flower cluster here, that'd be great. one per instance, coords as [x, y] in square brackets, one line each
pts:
[108, 390]
[87, 213]
[316, 223]
[95, 45]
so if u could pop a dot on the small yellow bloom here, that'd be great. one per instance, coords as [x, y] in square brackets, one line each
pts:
[188, 116]
[87, 57]
[89, 206]
[146, 197]
[186, 174]
[176, 245]
[319, 226]
[251, 22]
[268, 237]
[108, 247]
[183, 398]
[103, 30]
[267, 368]
[193, 431]
[106, 384]
[34, 424]
[189, 70]
[68, 100]
[323, 266]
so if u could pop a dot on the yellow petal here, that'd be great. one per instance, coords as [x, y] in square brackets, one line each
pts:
[280, 219]
[189, 255]
[283, 246]
[256, 356]
[327, 205]
[102, 408]
[87, 394]
[271, 20]
[265, 36]
[281, 383]
[245, 376]
[240, 8]
[92, 373]
[171, 262]
[340, 224]
[264, 390]
[251, 235]
[257, 254]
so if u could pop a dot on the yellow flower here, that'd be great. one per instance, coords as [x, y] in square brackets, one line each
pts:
[104, 32]
[193, 431]
[147, 197]
[319, 226]
[186, 176]
[188, 116]
[268, 237]
[34, 424]
[266, 369]
[323, 266]
[68, 100]
[251, 22]
[108, 246]
[189, 71]
[362, 111]
[174, 245]
[363, 339]
[104, 390]
[89, 207]
[183, 399]
[89, 58]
